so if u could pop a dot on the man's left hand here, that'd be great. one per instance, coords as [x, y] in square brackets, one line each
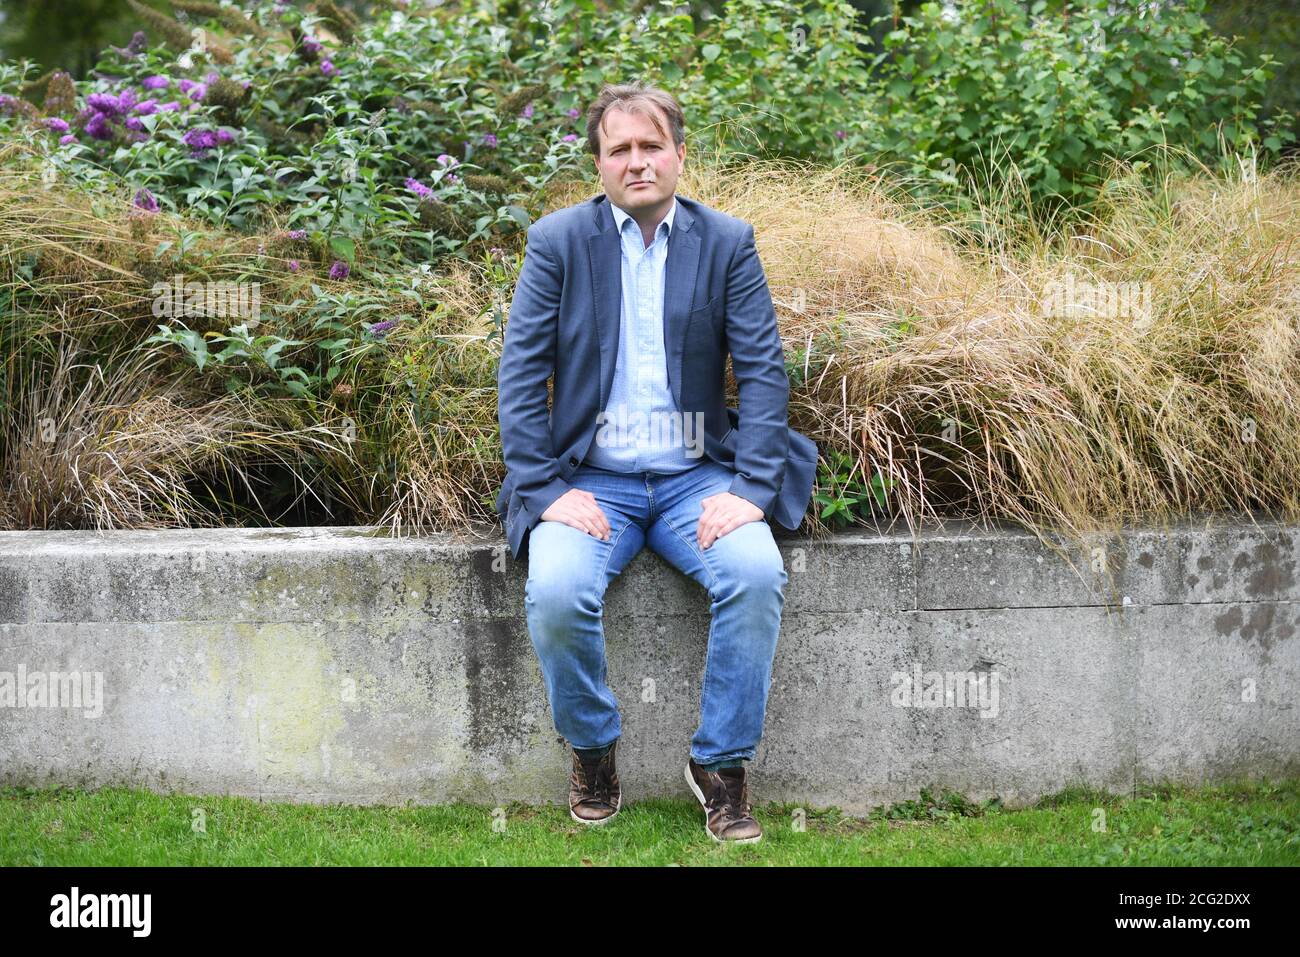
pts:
[723, 512]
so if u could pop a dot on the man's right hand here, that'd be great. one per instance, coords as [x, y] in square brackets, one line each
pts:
[579, 509]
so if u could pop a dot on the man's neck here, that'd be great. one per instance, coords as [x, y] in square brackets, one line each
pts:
[648, 220]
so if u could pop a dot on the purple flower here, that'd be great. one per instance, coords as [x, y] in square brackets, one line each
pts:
[489, 139]
[339, 270]
[294, 265]
[379, 328]
[328, 68]
[279, 8]
[297, 234]
[570, 137]
[453, 178]
[97, 127]
[171, 106]
[127, 99]
[246, 84]
[225, 136]
[156, 82]
[574, 113]
[198, 91]
[448, 160]
[211, 78]
[146, 107]
[418, 188]
[104, 103]
[840, 134]
[311, 45]
[528, 112]
[57, 125]
[65, 140]
[200, 141]
[186, 84]
[134, 123]
[145, 200]
[139, 42]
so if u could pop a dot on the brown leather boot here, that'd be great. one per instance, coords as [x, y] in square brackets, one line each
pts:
[594, 792]
[724, 794]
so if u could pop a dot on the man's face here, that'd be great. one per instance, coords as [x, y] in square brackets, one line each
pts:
[637, 164]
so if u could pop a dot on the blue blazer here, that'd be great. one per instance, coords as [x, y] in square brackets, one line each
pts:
[564, 322]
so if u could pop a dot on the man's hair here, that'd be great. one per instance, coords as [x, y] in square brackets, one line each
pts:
[636, 97]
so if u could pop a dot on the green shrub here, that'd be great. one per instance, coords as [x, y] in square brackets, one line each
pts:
[990, 84]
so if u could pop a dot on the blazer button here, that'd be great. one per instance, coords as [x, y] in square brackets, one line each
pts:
[572, 460]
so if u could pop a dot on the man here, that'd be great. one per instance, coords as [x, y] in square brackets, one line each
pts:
[632, 301]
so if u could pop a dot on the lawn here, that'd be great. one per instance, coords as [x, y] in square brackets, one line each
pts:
[1241, 823]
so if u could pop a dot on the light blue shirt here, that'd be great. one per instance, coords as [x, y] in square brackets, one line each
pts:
[641, 429]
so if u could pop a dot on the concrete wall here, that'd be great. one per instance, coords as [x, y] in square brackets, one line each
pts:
[334, 665]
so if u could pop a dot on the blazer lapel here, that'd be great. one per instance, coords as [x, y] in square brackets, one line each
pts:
[607, 291]
[679, 293]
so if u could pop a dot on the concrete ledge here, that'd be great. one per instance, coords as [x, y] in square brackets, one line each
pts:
[340, 665]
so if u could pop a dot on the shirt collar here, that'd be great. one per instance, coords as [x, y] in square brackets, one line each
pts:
[621, 217]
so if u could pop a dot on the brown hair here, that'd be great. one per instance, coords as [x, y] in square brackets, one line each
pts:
[635, 97]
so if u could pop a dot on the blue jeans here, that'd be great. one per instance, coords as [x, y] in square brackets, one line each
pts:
[569, 570]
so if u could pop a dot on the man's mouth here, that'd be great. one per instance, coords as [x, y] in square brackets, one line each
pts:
[639, 183]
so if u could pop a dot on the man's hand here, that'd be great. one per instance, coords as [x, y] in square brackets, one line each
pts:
[579, 509]
[722, 513]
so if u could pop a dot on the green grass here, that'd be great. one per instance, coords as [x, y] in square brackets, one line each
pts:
[1243, 823]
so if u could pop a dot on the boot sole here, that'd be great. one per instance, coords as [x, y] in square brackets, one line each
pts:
[601, 820]
[699, 796]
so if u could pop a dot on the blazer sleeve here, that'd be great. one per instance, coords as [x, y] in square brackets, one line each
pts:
[527, 361]
[758, 361]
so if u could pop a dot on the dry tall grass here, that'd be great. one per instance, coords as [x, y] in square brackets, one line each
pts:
[95, 431]
[947, 365]
[932, 349]
[108, 441]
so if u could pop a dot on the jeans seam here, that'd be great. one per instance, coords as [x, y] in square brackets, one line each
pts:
[604, 572]
[698, 552]
[713, 619]
[604, 569]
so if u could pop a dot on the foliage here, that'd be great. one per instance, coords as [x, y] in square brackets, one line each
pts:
[989, 85]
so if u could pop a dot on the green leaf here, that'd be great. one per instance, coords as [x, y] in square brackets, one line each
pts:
[344, 248]
[272, 353]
